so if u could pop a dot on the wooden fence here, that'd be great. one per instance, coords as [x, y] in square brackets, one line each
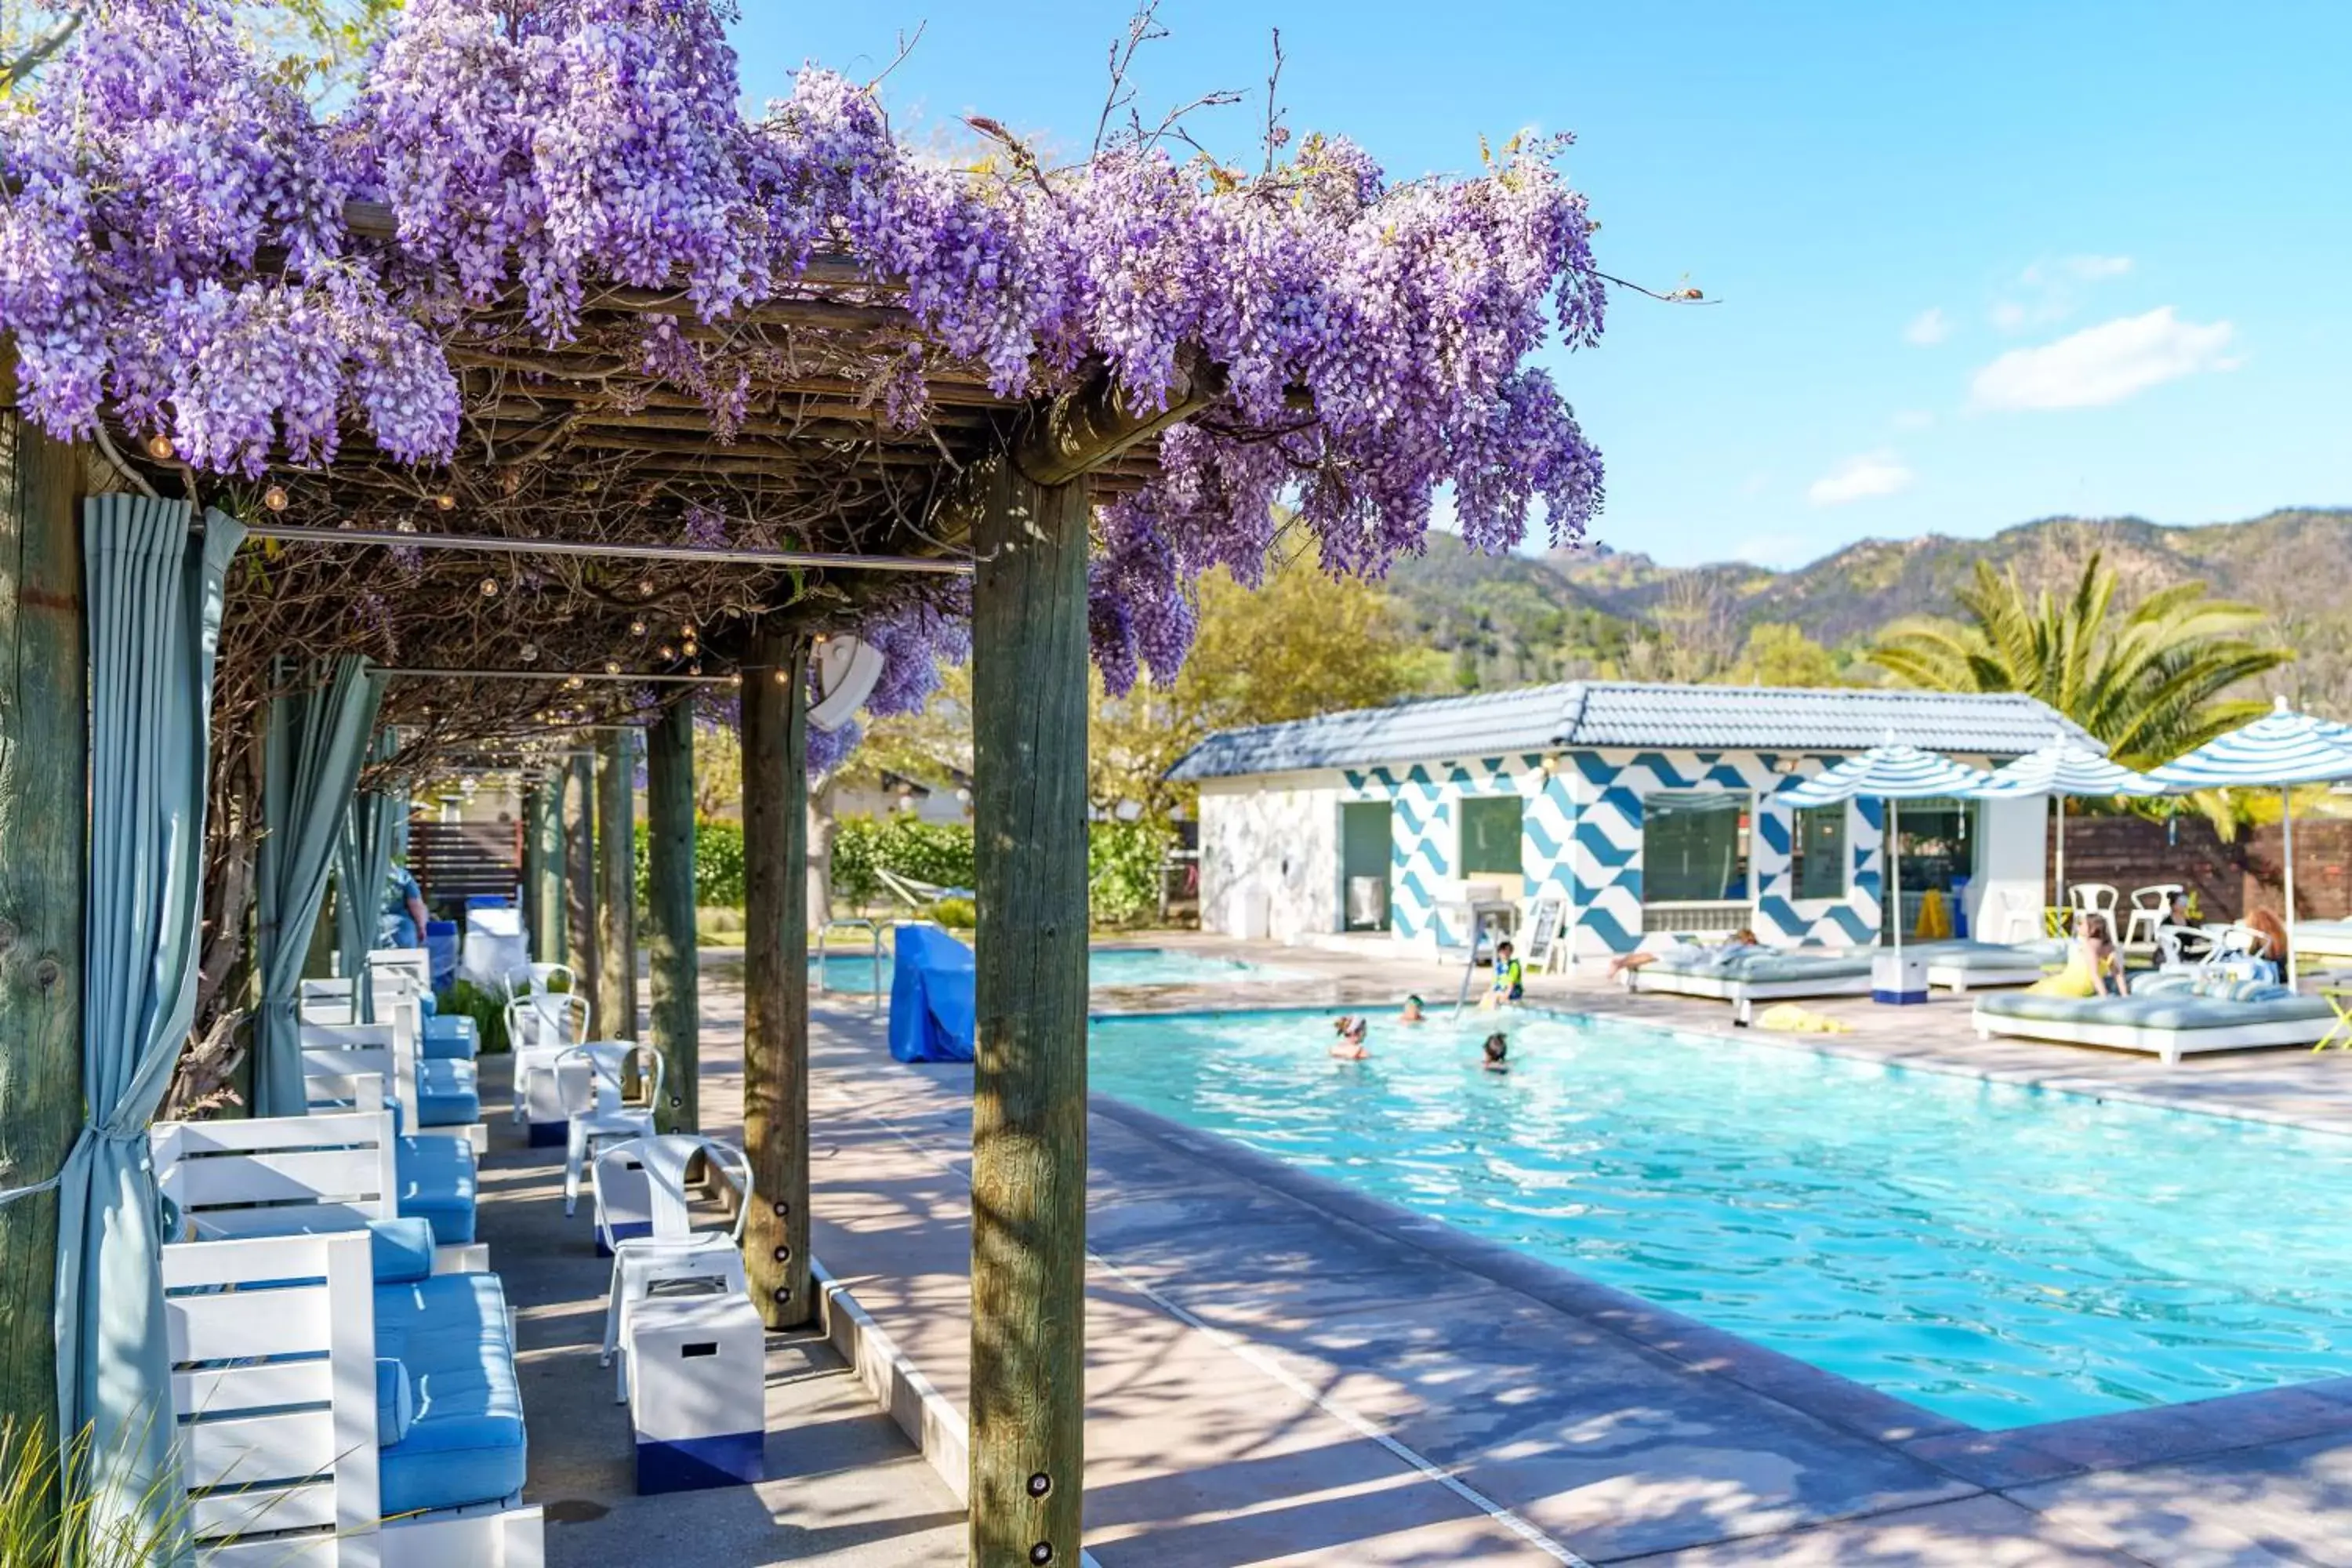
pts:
[2229, 879]
[455, 860]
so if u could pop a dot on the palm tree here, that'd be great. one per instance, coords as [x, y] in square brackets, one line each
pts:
[2151, 686]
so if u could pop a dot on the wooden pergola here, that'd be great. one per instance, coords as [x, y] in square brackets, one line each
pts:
[622, 529]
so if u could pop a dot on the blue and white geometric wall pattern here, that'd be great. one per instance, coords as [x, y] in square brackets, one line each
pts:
[1581, 837]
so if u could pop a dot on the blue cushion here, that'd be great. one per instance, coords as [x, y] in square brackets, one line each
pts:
[395, 1400]
[402, 1248]
[427, 1003]
[454, 1038]
[464, 1444]
[437, 1185]
[447, 1094]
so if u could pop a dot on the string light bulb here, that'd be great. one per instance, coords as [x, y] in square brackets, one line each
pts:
[160, 447]
[572, 683]
[638, 627]
[612, 667]
[695, 668]
[489, 587]
[644, 587]
[275, 497]
[445, 501]
[667, 653]
[530, 652]
[781, 678]
[734, 678]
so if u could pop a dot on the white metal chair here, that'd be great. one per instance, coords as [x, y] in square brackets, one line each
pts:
[540, 1027]
[675, 1254]
[2151, 910]
[537, 979]
[590, 1079]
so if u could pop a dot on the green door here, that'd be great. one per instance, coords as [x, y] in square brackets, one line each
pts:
[1364, 855]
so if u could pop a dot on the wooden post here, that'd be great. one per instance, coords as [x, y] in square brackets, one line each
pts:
[44, 874]
[669, 916]
[543, 855]
[616, 885]
[580, 883]
[1029, 1080]
[775, 973]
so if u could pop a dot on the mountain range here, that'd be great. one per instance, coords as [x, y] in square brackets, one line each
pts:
[1595, 611]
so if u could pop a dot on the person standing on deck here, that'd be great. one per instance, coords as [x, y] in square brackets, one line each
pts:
[403, 910]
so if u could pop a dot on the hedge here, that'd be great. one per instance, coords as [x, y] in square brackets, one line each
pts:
[718, 864]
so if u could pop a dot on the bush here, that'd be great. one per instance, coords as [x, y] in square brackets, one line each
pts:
[718, 864]
[957, 914]
[1123, 868]
[487, 1008]
[936, 852]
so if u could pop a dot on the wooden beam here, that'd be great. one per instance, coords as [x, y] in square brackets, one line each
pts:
[670, 940]
[1029, 1078]
[774, 719]
[44, 807]
[579, 882]
[1069, 437]
[616, 884]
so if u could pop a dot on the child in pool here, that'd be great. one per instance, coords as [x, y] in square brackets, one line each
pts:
[1413, 1013]
[1497, 1049]
[1510, 978]
[1350, 1044]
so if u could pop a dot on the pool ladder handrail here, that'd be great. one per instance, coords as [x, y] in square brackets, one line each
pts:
[873, 934]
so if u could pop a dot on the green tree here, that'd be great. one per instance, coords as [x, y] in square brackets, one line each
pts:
[1778, 653]
[1301, 645]
[2151, 683]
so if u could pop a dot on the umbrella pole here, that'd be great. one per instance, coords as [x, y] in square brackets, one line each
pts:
[2062, 851]
[1895, 874]
[2287, 820]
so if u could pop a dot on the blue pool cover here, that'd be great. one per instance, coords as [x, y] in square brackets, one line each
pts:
[930, 997]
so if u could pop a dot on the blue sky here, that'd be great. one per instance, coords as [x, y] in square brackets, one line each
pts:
[1975, 263]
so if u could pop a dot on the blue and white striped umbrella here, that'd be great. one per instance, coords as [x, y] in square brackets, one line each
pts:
[2282, 747]
[2068, 767]
[1890, 772]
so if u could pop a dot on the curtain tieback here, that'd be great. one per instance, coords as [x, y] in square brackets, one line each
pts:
[89, 1130]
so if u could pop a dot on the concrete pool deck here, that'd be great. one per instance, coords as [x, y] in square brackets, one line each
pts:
[1285, 1372]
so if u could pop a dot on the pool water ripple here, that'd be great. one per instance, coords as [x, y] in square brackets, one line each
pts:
[1999, 1255]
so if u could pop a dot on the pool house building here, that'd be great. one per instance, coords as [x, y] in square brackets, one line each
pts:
[1620, 810]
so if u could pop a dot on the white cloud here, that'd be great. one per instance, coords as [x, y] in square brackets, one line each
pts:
[1913, 419]
[1860, 478]
[1929, 328]
[2105, 363]
[2051, 289]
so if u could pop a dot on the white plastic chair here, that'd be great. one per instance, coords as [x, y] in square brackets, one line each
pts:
[2180, 947]
[589, 1079]
[537, 979]
[2016, 918]
[2151, 910]
[675, 1254]
[2093, 898]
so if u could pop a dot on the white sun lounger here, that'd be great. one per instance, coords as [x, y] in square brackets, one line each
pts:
[2167, 1025]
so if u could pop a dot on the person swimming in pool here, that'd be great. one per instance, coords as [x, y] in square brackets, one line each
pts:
[1348, 1047]
[1496, 1050]
[1413, 1012]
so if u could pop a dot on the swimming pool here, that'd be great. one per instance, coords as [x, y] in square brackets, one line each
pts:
[1999, 1256]
[1106, 966]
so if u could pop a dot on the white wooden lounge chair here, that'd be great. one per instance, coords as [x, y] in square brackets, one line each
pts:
[294, 1393]
[2167, 1025]
[283, 1175]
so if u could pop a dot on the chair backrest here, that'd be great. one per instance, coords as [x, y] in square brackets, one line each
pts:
[548, 1019]
[348, 1066]
[584, 1072]
[2240, 942]
[2157, 897]
[665, 1159]
[326, 1002]
[2099, 896]
[272, 1343]
[533, 979]
[278, 1175]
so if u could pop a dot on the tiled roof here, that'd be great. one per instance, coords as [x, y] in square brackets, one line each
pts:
[1586, 713]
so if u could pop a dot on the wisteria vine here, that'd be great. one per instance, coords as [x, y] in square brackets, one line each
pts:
[175, 248]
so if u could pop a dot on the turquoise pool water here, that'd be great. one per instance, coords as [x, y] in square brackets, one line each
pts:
[1106, 966]
[1999, 1256]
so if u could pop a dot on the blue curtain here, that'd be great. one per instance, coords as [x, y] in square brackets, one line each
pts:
[154, 623]
[318, 739]
[362, 863]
